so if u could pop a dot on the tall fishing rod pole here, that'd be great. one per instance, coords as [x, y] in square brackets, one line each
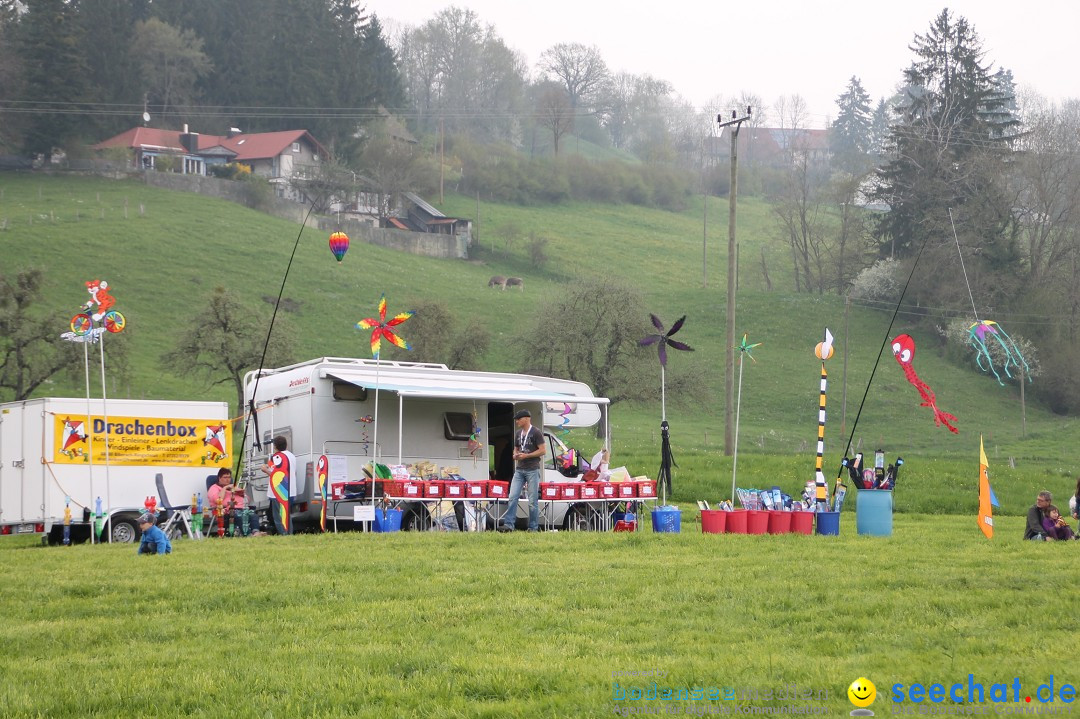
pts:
[888, 332]
[269, 331]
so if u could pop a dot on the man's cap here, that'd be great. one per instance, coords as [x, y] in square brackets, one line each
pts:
[146, 518]
[522, 413]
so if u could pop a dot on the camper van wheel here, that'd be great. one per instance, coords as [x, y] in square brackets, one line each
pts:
[415, 518]
[579, 520]
[123, 530]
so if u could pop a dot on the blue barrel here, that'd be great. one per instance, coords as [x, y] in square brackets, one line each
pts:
[666, 519]
[828, 523]
[387, 520]
[873, 512]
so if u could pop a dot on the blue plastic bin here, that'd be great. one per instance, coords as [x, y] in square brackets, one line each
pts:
[387, 520]
[873, 512]
[667, 519]
[828, 523]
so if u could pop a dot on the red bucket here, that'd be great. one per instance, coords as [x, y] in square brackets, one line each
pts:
[712, 521]
[757, 521]
[802, 522]
[735, 522]
[779, 522]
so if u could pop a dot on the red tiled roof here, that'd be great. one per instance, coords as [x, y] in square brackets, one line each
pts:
[253, 146]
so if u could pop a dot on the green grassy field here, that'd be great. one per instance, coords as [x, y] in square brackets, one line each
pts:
[488, 625]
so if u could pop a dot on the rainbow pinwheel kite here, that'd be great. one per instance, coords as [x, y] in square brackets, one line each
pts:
[380, 328]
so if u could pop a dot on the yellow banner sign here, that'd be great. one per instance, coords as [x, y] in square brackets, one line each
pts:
[142, 440]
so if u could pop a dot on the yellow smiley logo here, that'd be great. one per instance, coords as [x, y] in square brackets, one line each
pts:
[862, 692]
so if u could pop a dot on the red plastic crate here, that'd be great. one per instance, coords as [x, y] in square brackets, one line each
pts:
[590, 490]
[498, 489]
[433, 489]
[476, 489]
[646, 489]
[608, 490]
[570, 490]
[549, 490]
[393, 488]
[411, 488]
[453, 489]
[627, 489]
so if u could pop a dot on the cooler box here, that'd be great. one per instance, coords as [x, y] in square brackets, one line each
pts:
[498, 489]
[779, 522]
[626, 490]
[549, 490]
[590, 490]
[713, 521]
[666, 520]
[873, 512]
[735, 522]
[569, 490]
[387, 520]
[433, 489]
[646, 489]
[476, 489]
[757, 521]
[454, 489]
[608, 490]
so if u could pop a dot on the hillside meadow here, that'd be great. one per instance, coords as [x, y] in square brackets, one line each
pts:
[164, 252]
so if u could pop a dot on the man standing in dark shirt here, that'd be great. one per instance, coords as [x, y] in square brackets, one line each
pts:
[1034, 528]
[529, 447]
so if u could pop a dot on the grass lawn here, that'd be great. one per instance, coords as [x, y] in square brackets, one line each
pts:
[466, 625]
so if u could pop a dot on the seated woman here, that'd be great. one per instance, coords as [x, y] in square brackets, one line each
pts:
[232, 501]
[1055, 526]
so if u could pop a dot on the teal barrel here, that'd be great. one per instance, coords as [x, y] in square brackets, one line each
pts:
[873, 512]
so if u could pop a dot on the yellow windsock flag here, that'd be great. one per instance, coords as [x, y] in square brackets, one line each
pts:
[986, 513]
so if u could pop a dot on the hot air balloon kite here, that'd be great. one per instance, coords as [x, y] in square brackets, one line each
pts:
[339, 244]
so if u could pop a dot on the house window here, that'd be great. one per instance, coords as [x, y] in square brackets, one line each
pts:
[193, 166]
[296, 147]
[315, 158]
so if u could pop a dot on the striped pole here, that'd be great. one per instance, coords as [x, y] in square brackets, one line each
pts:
[823, 351]
[819, 477]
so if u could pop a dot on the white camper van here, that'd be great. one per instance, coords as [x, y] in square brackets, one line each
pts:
[400, 413]
[64, 452]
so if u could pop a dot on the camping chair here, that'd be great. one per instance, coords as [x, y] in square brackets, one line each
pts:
[177, 517]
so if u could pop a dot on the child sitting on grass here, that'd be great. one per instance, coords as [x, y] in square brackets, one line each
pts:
[1054, 526]
[154, 540]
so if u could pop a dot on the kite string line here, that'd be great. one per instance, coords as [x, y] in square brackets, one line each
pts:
[888, 331]
[269, 331]
[963, 267]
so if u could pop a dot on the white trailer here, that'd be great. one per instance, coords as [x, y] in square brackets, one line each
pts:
[62, 451]
[398, 413]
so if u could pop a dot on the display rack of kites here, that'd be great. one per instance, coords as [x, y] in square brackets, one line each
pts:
[95, 320]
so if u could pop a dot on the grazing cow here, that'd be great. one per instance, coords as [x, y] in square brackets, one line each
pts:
[516, 282]
[497, 281]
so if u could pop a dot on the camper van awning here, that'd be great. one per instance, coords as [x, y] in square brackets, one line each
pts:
[508, 391]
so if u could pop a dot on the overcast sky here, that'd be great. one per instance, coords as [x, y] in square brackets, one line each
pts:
[784, 47]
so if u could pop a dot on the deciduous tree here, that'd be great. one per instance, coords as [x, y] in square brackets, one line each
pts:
[229, 340]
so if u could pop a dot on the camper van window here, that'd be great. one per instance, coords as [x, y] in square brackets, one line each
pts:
[349, 392]
[457, 425]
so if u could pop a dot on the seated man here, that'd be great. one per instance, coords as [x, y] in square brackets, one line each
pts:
[1034, 527]
[154, 540]
[232, 502]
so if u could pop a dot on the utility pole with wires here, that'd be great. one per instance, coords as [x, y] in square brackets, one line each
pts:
[729, 366]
